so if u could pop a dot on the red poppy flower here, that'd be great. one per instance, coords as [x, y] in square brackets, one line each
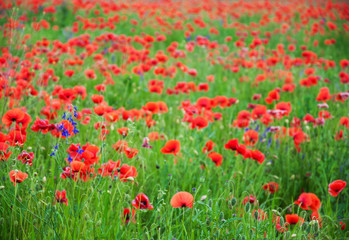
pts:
[61, 198]
[153, 136]
[152, 107]
[344, 121]
[97, 98]
[251, 199]
[182, 199]
[126, 173]
[4, 154]
[336, 187]
[120, 146]
[285, 107]
[11, 116]
[89, 73]
[216, 158]
[242, 149]
[342, 224]
[130, 152]
[126, 216]
[309, 200]
[123, 131]
[42, 125]
[171, 147]
[257, 155]
[108, 168]
[271, 187]
[142, 202]
[232, 144]
[199, 122]
[17, 176]
[77, 166]
[208, 146]
[26, 158]
[17, 137]
[293, 219]
[324, 95]
[250, 137]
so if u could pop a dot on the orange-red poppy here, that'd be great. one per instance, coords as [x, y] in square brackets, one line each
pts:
[216, 158]
[182, 199]
[293, 219]
[123, 131]
[127, 216]
[309, 201]
[17, 176]
[142, 202]
[4, 154]
[171, 147]
[13, 115]
[336, 187]
[250, 137]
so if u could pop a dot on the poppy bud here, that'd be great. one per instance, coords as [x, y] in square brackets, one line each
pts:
[256, 214]
[282, 221]
[316, 227]
[304, 226]
[233, 202]
[247, 207]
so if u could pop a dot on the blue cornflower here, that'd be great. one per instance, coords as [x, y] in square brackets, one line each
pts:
[70, 119]
[64, 116]
[70, 159]
[75, 131]
[65, 133]
[80, 151]
[61, 127]
[75, 111]
[269, 143]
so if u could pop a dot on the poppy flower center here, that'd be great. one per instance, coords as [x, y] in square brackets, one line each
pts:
[183, 205]
[144, 203]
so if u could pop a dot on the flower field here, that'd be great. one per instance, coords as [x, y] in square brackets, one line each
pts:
[174, 119]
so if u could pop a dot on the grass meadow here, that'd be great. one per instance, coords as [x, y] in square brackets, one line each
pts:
[174, 119]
